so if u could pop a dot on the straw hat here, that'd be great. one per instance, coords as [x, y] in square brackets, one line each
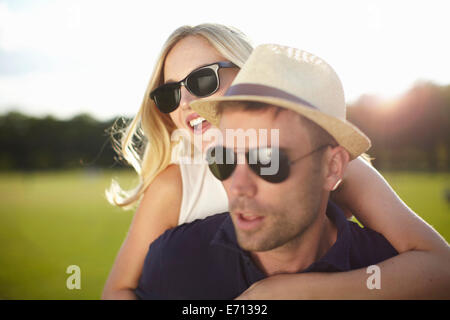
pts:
[293, 79]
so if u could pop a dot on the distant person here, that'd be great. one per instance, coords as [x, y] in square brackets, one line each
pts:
[170, 192]
[283, 222]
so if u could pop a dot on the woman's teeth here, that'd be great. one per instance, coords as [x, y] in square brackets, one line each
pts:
[196, 121]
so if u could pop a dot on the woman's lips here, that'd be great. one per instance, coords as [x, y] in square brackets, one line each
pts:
[191, 116]
[248, 221]
[200, 128]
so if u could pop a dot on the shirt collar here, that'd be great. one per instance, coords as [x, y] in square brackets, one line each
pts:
[226, 236]
[337, 257]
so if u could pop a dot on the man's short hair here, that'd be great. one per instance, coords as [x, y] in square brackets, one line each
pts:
[318, 136]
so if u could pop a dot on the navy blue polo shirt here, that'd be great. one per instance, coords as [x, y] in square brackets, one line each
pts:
[202, 259]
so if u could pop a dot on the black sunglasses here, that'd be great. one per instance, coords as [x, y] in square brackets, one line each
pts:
[222, 162]
[201, 82]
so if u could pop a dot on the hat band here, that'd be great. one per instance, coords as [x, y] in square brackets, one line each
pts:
[264, 91]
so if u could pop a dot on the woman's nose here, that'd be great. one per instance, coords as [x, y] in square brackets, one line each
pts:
[186, 98]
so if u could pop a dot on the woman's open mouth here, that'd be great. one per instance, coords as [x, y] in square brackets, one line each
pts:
[197, 124]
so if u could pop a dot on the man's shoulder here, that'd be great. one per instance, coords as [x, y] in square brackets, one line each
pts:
[198, 230]
[190, 240]
[183, 264]
[368, 246]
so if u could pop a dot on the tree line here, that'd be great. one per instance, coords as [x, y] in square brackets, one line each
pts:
[30, 143]
[411, 133]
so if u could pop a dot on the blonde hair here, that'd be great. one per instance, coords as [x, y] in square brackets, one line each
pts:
[146, 142]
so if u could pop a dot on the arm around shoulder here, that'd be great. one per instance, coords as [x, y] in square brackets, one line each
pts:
[375, 204]
[420, 271]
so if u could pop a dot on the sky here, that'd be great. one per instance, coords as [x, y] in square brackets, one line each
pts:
[68, 57]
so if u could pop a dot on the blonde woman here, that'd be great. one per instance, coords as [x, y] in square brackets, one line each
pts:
[171, 192]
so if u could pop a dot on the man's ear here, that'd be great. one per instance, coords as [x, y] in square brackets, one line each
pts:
[337, 160]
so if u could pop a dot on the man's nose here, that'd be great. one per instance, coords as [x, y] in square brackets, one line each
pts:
[186, 98]
[242, 181]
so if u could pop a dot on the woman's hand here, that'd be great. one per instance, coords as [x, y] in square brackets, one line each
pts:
[277, 287]
[265, 289]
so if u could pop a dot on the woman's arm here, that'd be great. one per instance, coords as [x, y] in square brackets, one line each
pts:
[157, 212]
[421, 270]
[370, 198]
[410, 275]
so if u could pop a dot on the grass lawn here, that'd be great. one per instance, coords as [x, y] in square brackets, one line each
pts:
[55, 219]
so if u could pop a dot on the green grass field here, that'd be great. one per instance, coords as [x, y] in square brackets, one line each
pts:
[52, 220]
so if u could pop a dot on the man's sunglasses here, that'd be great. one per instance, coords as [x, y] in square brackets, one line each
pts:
[271, 164]
[201, 82]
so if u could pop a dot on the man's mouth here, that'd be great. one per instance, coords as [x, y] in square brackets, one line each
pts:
[248, 221]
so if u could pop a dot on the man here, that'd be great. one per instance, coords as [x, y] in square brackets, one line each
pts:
[282, 221]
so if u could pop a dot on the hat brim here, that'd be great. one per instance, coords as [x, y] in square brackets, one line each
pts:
[345, 133]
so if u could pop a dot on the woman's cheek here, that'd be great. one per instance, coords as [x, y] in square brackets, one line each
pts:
[175, 115]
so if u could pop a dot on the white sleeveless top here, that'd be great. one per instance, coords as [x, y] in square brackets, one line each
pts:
[203, 194]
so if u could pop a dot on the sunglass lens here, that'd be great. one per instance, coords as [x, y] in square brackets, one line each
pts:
[167, 98]
[271, 164]
[221, 162]
[203, 82]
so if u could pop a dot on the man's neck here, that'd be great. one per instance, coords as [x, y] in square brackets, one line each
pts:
[302, 251]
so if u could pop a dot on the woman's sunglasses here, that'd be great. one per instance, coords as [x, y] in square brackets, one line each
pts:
[201, 82]
[222, 162]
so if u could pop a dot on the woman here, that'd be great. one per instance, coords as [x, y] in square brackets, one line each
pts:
[171, 193]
